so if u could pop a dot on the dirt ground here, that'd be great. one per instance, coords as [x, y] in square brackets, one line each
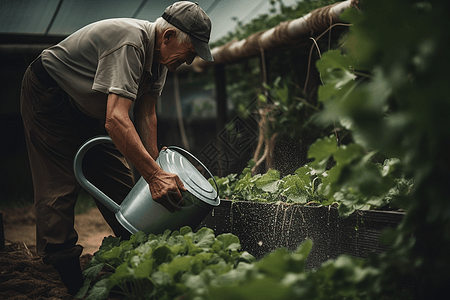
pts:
[22, 273]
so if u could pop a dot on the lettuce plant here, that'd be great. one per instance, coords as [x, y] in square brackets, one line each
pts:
[165, 266]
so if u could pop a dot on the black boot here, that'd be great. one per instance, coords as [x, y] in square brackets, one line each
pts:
[70, 272]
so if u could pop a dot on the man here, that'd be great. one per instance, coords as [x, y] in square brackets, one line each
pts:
[86, 86]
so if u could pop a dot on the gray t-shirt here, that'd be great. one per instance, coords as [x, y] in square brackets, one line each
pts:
[109, 56]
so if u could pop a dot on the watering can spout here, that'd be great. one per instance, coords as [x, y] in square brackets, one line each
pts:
[88, 186]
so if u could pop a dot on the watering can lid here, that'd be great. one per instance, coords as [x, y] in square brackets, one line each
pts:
[196, 184]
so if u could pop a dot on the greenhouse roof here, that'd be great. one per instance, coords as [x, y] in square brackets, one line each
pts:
[63, 17]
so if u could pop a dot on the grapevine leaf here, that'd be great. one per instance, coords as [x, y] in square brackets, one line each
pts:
[322, 150]
[346, 154]
[335, 74]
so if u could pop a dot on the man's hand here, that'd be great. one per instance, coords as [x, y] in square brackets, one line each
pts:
[166, 189]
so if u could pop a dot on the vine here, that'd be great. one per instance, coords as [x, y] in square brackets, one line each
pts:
[387, 88]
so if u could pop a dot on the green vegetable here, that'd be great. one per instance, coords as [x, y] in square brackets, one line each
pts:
[165, 266]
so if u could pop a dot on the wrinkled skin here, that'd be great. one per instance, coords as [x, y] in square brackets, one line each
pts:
[171, 54]
[165, 187]
[138, 143]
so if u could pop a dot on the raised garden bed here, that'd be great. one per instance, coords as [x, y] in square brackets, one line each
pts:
[264, 227]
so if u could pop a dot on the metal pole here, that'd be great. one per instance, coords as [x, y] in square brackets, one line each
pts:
[221, 102]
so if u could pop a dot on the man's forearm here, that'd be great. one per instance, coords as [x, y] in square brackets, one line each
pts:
[125, 137]
[146, 124]
[165, 187]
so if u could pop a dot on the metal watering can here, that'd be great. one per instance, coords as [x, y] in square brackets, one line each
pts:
[138, 211]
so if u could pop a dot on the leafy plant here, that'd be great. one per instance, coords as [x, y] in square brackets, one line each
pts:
[281, 275]
[389, 87]
[187, 265]
[355, 182]
[164, 266]
[287, 97]
[300, 187]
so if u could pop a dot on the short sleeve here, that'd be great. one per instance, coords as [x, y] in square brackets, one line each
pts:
[118, 72]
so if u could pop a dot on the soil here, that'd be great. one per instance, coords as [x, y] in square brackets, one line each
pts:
[23, 275]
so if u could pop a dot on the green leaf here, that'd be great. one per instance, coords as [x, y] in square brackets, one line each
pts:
[162, 254]
[108, 243]
[322, 150]
[271, 187]
[204, 238]
[392, 166]
[262, 98]
[178, 264]
[99, 291]
[121, 274]
[264, 288]
[84, 289]
[114, 255]
[269, 182]
[274, 264]
[185, 230]
[229, 241]
[345, 154]
[138, 238]
[294, 188]
[335, 74]
[162, 278]
[144, 269]
[93, 270]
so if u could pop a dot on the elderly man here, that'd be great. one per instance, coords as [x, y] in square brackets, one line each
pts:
[86, 86]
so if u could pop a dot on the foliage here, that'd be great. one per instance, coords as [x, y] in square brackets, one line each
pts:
[377, 186]
[281, 275]
[355, 182]
[285, 110]
[300, 187]
[388, 86]
[187, 265]
[288, 101]
[164, 266]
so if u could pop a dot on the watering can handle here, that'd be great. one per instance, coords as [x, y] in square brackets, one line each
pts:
[198, 161]
[88, 186]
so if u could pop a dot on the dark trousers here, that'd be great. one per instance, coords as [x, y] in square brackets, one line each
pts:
[54, 130]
